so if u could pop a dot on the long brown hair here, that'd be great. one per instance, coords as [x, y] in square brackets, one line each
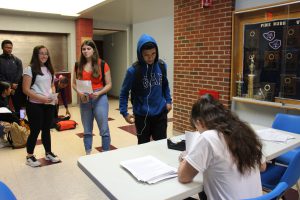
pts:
[83, 60]
[242, 142]
[35, 61]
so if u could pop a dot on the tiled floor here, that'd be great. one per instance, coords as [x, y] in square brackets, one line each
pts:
[63, 181]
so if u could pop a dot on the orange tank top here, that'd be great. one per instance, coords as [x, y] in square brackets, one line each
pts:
[97, 83]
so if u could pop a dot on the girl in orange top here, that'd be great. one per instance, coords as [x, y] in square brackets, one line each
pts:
[95, 105]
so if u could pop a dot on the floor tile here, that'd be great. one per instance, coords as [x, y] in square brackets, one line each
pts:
[100, 148]
[129, 128]
[291, 194]
[39, 142]
[81, 135]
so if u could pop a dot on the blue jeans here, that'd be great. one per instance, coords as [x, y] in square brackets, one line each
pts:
[98, 109]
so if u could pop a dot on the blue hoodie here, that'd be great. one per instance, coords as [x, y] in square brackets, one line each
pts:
[152, 101]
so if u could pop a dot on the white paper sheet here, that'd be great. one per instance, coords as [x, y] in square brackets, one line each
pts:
[149, 169]
[84, 86]
[4, 110]
[190, 137]
[274, 135]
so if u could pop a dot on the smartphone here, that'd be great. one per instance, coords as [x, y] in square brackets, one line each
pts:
[22, 113]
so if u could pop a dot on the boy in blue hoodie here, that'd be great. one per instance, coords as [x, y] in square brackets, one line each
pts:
[147, 82]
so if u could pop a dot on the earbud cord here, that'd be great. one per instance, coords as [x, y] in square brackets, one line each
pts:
[145, 120]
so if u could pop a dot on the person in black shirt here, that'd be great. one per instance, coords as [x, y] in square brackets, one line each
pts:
[11, 71]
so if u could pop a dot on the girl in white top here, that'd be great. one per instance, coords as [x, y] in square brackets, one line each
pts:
[226, 151]
[38, 85]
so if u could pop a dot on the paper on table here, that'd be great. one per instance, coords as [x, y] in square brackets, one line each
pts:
[274, 135]
[4, 110]
[149, 169]
[84, 86]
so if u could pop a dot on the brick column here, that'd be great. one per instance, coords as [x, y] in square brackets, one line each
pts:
[202, 54]
[84, 30]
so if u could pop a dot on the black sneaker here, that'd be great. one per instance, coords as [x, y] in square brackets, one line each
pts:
[52, 157]
[32, 161]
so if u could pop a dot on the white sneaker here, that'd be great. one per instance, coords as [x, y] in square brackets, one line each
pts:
[52, 157]
[32, 161]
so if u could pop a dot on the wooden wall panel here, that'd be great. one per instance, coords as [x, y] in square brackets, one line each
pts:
[24, 43]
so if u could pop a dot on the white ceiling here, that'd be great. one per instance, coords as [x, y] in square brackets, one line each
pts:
[124, 12]
[130, 11]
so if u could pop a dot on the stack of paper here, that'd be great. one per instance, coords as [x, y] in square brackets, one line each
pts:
[149, 169]
[274, 135]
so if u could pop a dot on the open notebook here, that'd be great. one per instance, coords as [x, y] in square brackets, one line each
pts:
[149, 169]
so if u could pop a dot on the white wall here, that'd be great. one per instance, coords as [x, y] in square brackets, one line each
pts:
[246, 4]
[115, 54]
[30, 24]
[162, 30]
[258, 114]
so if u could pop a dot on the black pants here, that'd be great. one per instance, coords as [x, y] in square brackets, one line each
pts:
[40, 117]
[18, 99]
[154, 126]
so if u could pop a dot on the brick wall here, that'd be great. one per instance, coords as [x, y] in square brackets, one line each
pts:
[202, 54]
[84, 30]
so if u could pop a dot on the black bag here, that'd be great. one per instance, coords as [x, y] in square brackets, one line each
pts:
[180, 146]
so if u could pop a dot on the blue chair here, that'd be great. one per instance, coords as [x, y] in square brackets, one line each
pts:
[276, 174]
[290, 123]
[274, 194]
[6, 193]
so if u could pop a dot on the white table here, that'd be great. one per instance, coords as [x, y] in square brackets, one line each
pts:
[272, 150]
[105, 170]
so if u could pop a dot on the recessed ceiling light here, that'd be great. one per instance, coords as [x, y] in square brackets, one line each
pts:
[66, 7]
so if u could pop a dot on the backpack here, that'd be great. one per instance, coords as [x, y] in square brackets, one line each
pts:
[17, 136]
[102, 64]
[137, 89]
[65, 125]
[23, 96]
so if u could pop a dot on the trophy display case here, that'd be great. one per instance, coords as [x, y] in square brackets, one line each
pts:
[266, 54]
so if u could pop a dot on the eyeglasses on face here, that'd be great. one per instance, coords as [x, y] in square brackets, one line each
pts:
[43, 54]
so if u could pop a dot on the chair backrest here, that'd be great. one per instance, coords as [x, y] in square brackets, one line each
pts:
[292, 173]
[287, 122]
[6, 193]
[276, 192]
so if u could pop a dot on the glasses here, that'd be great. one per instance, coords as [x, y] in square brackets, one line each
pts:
[43, 54]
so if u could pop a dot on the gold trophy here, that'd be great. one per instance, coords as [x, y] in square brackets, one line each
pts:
[251, 77]
[239, 83]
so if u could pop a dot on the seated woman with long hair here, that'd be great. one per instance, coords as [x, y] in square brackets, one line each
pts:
[227, 152]
[5, 90]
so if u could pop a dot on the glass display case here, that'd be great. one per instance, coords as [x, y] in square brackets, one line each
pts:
[266, 55]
